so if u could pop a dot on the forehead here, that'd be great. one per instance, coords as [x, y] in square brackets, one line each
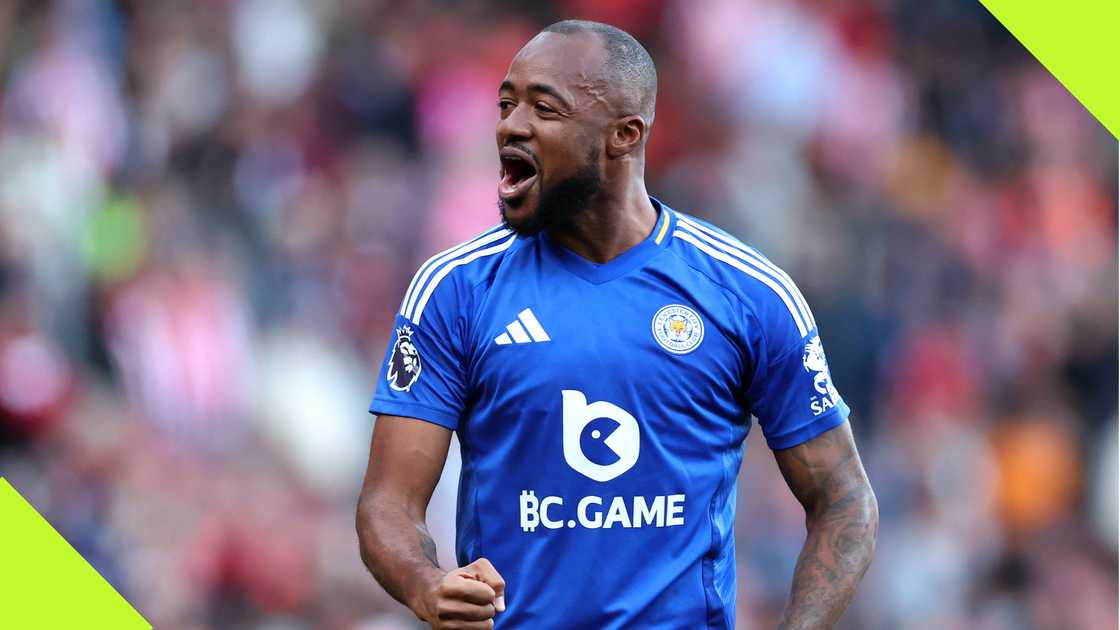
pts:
[564, 61]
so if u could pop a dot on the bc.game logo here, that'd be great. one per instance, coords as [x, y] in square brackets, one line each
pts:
[601, 442]
[623, 440]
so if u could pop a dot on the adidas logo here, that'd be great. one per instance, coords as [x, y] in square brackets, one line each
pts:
[525, 329]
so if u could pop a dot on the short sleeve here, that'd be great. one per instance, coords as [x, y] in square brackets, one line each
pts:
[791, 391]
[423, 375]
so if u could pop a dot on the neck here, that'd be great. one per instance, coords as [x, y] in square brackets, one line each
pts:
[616, 221]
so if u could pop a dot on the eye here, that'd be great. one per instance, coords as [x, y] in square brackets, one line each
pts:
[543, 108]
[505, 105]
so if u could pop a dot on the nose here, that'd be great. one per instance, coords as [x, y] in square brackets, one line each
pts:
[515, 126]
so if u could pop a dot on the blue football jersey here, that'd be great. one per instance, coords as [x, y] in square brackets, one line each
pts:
[602, 410]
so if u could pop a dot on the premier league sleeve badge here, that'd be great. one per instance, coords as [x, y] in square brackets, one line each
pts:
[404, 361]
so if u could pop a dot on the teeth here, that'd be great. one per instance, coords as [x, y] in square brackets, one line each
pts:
[516, 168]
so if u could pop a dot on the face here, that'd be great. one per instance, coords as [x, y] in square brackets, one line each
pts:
[551, 133]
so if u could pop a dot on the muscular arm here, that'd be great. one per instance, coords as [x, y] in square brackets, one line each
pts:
[405, 462]
[406, 459]
[842, 521]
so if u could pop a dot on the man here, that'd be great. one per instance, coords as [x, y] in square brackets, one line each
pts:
[600, 356]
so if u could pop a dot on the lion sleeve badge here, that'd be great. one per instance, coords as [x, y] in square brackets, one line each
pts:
[404, 362]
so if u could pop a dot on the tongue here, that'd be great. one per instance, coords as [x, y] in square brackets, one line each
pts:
[507, 184]
[513, 179]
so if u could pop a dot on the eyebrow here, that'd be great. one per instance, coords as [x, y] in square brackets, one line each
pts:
[539, 87]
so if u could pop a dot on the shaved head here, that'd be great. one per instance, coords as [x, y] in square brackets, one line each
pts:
[575, 109]
[627, 66]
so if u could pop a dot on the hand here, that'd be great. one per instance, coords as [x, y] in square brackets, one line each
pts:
[466, 598]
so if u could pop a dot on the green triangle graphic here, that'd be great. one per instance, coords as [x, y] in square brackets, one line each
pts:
[1077, 42]
[45, 584]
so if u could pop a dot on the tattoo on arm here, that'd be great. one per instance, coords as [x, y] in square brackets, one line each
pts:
[842, 522]
[406, 459]
[397, 549]
[427, 545]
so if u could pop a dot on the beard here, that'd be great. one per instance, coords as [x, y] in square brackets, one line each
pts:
[560, 204]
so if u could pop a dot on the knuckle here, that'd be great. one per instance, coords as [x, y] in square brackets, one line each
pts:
[450, 582]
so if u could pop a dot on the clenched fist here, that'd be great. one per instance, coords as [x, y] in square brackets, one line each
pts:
[466, 598]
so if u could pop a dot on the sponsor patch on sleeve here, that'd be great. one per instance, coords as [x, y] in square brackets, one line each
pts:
[404, 362]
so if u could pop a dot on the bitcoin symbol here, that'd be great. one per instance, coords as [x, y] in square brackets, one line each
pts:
[530, 511]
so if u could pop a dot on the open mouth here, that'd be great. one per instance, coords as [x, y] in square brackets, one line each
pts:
[517, 174]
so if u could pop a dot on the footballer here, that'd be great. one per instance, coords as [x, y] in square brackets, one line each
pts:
[601, 357]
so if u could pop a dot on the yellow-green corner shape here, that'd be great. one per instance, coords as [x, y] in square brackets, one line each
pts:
[1078, 42]
[45, 584]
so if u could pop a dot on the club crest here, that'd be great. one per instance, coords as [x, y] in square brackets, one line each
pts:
[404, 361]
[678, 328]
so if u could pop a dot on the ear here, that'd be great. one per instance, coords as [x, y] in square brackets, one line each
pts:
[626, 136]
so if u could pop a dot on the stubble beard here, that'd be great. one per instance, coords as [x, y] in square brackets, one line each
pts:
[561, 203]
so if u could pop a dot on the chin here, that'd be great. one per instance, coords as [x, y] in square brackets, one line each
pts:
[522, 218]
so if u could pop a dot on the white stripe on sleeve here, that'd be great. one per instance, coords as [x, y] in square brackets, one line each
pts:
[430, 266]
[750, 271]
[752, 257]
[446, 269]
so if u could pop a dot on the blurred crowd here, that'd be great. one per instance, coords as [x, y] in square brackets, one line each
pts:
[210, 210]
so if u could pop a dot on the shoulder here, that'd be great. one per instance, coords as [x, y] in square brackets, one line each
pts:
[452, 274]
[763, 287]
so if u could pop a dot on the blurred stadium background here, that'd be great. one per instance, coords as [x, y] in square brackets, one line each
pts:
[210, 210]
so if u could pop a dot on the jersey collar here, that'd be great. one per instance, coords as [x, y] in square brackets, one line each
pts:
[622, 264]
